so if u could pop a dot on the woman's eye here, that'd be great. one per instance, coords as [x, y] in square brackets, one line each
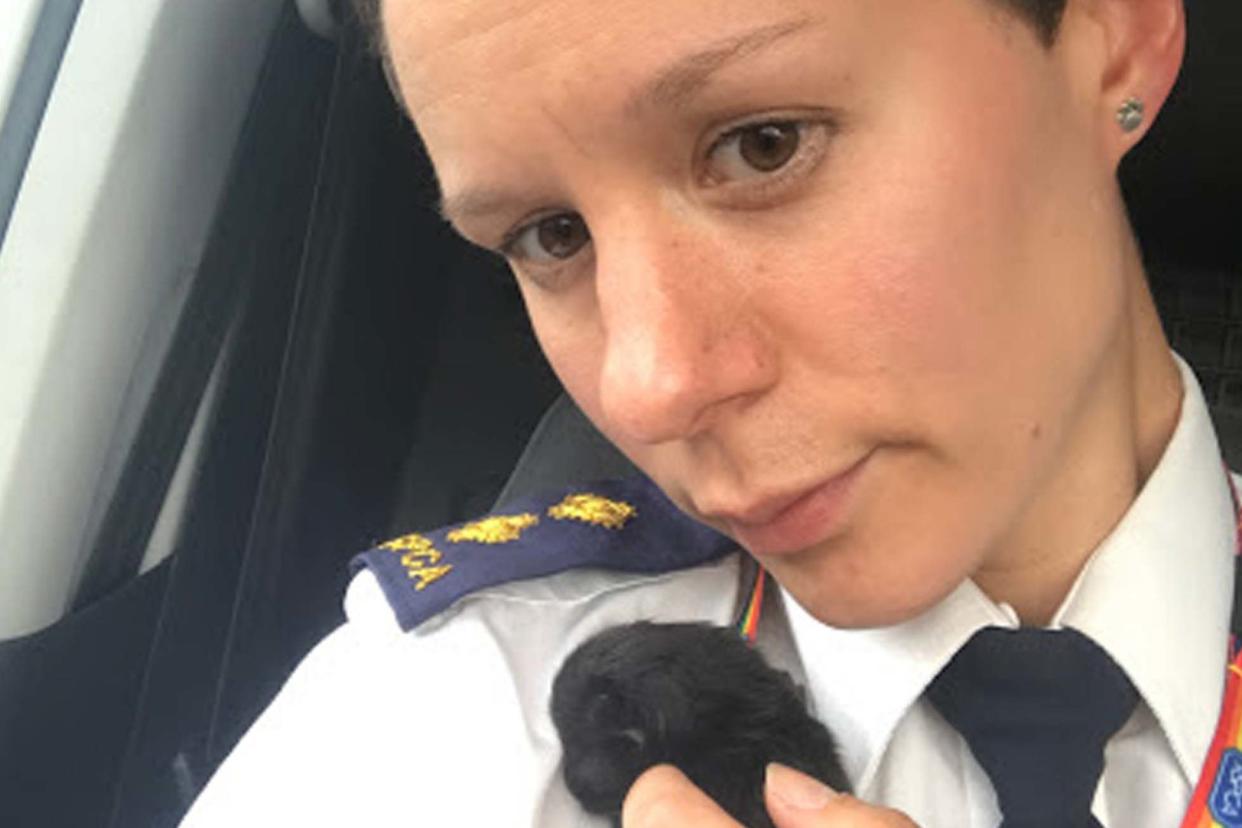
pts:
[765, 149]
[548, 240]
[768, 147]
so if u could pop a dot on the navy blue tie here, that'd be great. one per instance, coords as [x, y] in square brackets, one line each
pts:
[1036, 708]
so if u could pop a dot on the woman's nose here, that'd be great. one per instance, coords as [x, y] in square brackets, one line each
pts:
[684, 343]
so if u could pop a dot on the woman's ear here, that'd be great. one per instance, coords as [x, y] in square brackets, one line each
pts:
[1139, 49]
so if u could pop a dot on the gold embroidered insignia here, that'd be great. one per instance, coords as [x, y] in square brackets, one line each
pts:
[419, 557]
[593, 509]
[413, 543]
[428, 574]
[494, 530]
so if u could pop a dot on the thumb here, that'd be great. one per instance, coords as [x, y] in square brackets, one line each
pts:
[793, 798]
[796, 800]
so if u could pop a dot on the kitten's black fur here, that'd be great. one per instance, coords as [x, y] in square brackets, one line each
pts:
[691, 695]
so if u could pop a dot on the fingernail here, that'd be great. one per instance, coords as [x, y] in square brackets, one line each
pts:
[797, 790]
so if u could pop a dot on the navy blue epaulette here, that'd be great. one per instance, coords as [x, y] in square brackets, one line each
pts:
[620, 525]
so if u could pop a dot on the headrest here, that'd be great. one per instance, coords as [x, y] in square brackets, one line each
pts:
[565, 449]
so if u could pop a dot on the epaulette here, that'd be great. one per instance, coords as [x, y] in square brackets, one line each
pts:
[620, 525]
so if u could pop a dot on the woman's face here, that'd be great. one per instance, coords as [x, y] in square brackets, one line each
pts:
[763, 243]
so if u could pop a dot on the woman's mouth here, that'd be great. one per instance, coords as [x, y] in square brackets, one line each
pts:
[796, 520]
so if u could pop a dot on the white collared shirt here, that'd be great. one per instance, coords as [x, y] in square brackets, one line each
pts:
[445, 725]
[448, 724]
[1156, 595]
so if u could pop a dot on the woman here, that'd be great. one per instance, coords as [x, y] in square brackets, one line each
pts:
[852, 281]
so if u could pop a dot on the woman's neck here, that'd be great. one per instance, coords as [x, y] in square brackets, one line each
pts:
[1117, 443]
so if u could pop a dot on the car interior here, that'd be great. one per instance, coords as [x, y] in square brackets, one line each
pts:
[333, 367]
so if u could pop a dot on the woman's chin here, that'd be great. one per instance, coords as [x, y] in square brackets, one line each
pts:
[846, 598]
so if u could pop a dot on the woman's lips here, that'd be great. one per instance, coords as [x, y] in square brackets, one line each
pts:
[795, 522]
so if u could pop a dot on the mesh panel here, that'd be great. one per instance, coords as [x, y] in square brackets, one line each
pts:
[1202, 315]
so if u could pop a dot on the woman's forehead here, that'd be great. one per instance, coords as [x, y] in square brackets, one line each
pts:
[509, 94]
[444, 49]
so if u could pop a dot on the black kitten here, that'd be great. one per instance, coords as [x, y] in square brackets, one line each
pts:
[691, 695]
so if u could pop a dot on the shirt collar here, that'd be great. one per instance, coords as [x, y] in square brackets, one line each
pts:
[863, 681]
[1171, 642]
[1157, 593]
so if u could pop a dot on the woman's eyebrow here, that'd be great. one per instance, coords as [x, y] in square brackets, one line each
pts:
[474, 204]
[674, 85]
[671, 87]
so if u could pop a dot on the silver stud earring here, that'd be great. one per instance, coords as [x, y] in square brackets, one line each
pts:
[1130, 114]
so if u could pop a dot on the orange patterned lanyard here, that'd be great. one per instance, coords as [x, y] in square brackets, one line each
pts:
[1217, 801]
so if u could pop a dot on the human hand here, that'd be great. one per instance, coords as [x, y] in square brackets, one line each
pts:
[664, 798]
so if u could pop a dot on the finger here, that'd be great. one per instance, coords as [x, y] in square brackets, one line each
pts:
[795, 800]
[664, 798]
